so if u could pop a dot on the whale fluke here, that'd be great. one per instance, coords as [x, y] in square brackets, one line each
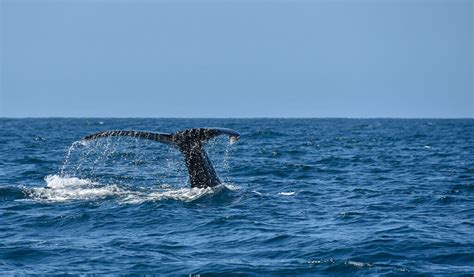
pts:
[165, 138]
[190, 142]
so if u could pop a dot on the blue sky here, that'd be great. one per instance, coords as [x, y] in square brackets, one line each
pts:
[348, 58]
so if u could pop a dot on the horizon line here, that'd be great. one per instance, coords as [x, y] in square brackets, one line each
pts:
[256, 117]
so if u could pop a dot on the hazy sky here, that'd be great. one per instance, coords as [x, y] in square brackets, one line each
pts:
[104, 58]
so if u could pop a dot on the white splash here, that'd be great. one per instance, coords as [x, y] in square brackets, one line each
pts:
[230, 186]
[57, 182]
[183, 194]
[71, 148]
[358, 264]
[61, 189]
[287, 193]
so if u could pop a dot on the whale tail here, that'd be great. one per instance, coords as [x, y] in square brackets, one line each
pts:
[190, 142]
[181, 139]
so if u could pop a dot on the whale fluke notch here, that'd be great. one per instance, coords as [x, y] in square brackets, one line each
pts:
[190, 142]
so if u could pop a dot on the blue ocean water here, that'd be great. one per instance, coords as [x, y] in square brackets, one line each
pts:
[301, 197]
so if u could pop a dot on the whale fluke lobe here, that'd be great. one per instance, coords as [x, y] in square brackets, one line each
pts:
[191, 144]
[165, 138]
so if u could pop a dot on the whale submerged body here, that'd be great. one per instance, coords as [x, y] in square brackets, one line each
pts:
[191, 144]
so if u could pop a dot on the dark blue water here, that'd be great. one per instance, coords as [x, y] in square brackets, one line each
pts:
[301, 197]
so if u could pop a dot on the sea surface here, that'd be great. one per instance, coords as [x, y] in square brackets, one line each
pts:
[302, 197]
